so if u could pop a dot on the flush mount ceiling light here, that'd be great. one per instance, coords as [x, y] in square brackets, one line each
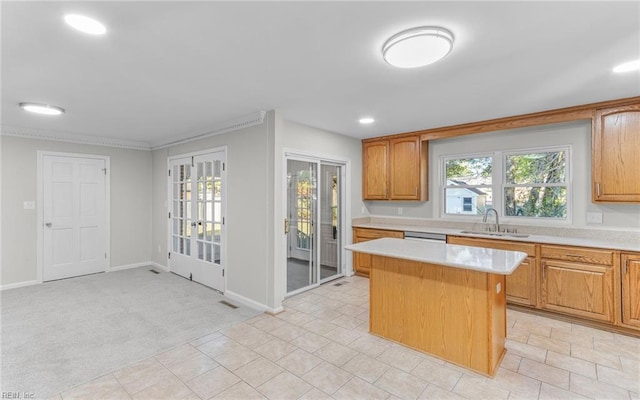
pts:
[417, 47]
[45, 109]
[85, 24]
[366, 120]
[628, 66]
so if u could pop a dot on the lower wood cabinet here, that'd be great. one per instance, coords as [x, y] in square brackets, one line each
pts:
[630, 274]
[362, 262]
[577, 281]
[596, 284]
[521, 286]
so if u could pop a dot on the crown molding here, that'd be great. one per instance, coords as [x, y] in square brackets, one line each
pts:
[73, 138]
[255, 118]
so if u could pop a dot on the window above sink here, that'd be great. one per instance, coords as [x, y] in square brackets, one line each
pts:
[523, 184]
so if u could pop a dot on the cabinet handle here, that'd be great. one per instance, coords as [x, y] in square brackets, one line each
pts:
[416, 191]
[544, 271]
[598, 189]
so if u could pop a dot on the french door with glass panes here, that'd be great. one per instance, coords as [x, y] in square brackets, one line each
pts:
[197, 186]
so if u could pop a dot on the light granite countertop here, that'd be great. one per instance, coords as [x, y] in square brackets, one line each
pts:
[607, 240]
[492, 261]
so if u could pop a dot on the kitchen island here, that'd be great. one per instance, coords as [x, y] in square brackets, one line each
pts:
[445, 300]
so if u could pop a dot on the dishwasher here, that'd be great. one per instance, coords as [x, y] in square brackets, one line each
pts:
[426, 237]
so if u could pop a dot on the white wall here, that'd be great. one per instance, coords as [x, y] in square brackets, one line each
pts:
[130, 204]
[576, 134]
[248, 218]
[255, 235]
[309, 140]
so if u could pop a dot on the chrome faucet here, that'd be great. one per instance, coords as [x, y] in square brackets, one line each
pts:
[497, 224]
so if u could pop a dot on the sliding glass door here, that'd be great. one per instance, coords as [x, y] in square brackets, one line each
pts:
[314, 216]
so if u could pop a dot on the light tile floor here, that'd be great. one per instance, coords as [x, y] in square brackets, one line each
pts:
[319, 348]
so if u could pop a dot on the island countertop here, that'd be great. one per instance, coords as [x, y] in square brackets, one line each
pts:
[501, 262]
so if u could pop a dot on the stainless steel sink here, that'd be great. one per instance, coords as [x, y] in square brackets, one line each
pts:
[499, 234]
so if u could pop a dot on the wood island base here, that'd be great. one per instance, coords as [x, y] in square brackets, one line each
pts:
[455, 314]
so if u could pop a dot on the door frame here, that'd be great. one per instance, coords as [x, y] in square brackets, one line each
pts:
[345, 230]
[40, 205]
[169, 199]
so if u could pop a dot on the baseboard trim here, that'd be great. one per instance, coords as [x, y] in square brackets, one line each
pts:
[19, 285]
[159, 266]
[251, 303]
[129, 266]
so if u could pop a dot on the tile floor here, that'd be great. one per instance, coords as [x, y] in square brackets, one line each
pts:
[319, 348]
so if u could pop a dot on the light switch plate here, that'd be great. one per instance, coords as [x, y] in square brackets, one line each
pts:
[29, 205]
[594, 218]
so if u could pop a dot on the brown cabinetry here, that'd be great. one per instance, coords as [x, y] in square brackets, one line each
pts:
[375, 170]
[630, 265]
[577, 281]
[616, 154]
[521, 285]
[394, 169]
[361, 261]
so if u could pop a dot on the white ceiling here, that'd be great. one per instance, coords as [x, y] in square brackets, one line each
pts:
[172, 70]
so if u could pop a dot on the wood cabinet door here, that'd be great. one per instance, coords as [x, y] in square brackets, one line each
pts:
[584, 290]
[631, 289]
[361, 261]
[520, 286]
[616, 155]
[375, 170]
[405, 168]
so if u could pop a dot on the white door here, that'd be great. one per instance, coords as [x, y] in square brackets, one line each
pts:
[197, 218]
[74, 216]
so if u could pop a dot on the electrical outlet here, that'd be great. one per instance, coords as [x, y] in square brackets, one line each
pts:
[29, 205]
[594, 218]
[400, 210]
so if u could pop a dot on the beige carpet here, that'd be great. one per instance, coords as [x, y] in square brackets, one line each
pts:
[63, 333]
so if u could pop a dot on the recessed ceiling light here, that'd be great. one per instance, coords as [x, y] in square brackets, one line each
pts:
[45, 109]
[628, 66]
[417, 47]
[366, 120]
[85, 24]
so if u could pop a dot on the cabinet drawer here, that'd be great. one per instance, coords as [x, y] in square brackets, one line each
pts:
[370, 234]
[577, 254]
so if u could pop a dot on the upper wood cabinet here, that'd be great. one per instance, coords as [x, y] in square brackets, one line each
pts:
[616, 154]
[375, 170]
[395, 169]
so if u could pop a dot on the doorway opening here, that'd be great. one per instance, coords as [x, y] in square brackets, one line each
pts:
[315, 215]
[197, 193]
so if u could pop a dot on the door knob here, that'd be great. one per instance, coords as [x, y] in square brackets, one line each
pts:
[48, 224]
